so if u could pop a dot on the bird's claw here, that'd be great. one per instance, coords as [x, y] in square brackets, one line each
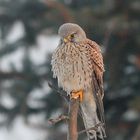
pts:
[76, 95]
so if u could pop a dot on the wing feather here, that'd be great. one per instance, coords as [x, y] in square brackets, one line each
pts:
[97, 77]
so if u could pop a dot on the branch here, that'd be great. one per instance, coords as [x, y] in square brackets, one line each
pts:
[60, 118]
[92, 128]
[72, 126]
[10, 75]
[73, 112]
[61, 92]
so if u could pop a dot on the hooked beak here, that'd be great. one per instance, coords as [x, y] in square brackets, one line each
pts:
[67, 39]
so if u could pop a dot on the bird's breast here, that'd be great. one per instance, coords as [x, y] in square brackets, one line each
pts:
[72, 67]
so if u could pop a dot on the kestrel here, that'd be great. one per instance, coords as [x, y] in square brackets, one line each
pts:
[77, 63]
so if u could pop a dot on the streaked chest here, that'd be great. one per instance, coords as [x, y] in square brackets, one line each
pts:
[72, 66]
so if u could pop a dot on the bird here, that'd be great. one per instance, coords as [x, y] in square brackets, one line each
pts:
[77, 63]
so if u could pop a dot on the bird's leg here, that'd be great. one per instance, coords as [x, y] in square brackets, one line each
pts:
[77, 94]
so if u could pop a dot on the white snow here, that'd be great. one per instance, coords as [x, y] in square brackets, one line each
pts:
[7, 101]
[38, 55]
[45, 44]
[14, 59]
[22, 131]
[131, 115]
[16, 32]
[33, 99]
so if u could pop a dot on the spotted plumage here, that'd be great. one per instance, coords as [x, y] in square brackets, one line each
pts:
[77, 63]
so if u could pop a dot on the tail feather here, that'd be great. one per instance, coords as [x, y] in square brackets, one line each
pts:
[90, 118]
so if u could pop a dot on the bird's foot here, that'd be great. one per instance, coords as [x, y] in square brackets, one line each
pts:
[77, 94]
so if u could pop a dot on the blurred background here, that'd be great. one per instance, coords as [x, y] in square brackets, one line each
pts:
[28, 36]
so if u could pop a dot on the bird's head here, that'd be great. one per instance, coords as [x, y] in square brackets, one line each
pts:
[70, 32]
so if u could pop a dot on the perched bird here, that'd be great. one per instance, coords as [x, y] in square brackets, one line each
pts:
[77, 63]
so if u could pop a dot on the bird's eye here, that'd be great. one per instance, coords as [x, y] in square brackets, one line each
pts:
[72, 35]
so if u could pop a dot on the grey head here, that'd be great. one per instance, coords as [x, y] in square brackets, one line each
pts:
[70, 32]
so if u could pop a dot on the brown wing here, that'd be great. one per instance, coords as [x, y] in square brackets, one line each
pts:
[97, 78]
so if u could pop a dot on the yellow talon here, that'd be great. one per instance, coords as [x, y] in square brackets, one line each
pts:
[77, 94]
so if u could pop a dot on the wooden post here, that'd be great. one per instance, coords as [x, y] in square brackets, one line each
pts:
[72, 124]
